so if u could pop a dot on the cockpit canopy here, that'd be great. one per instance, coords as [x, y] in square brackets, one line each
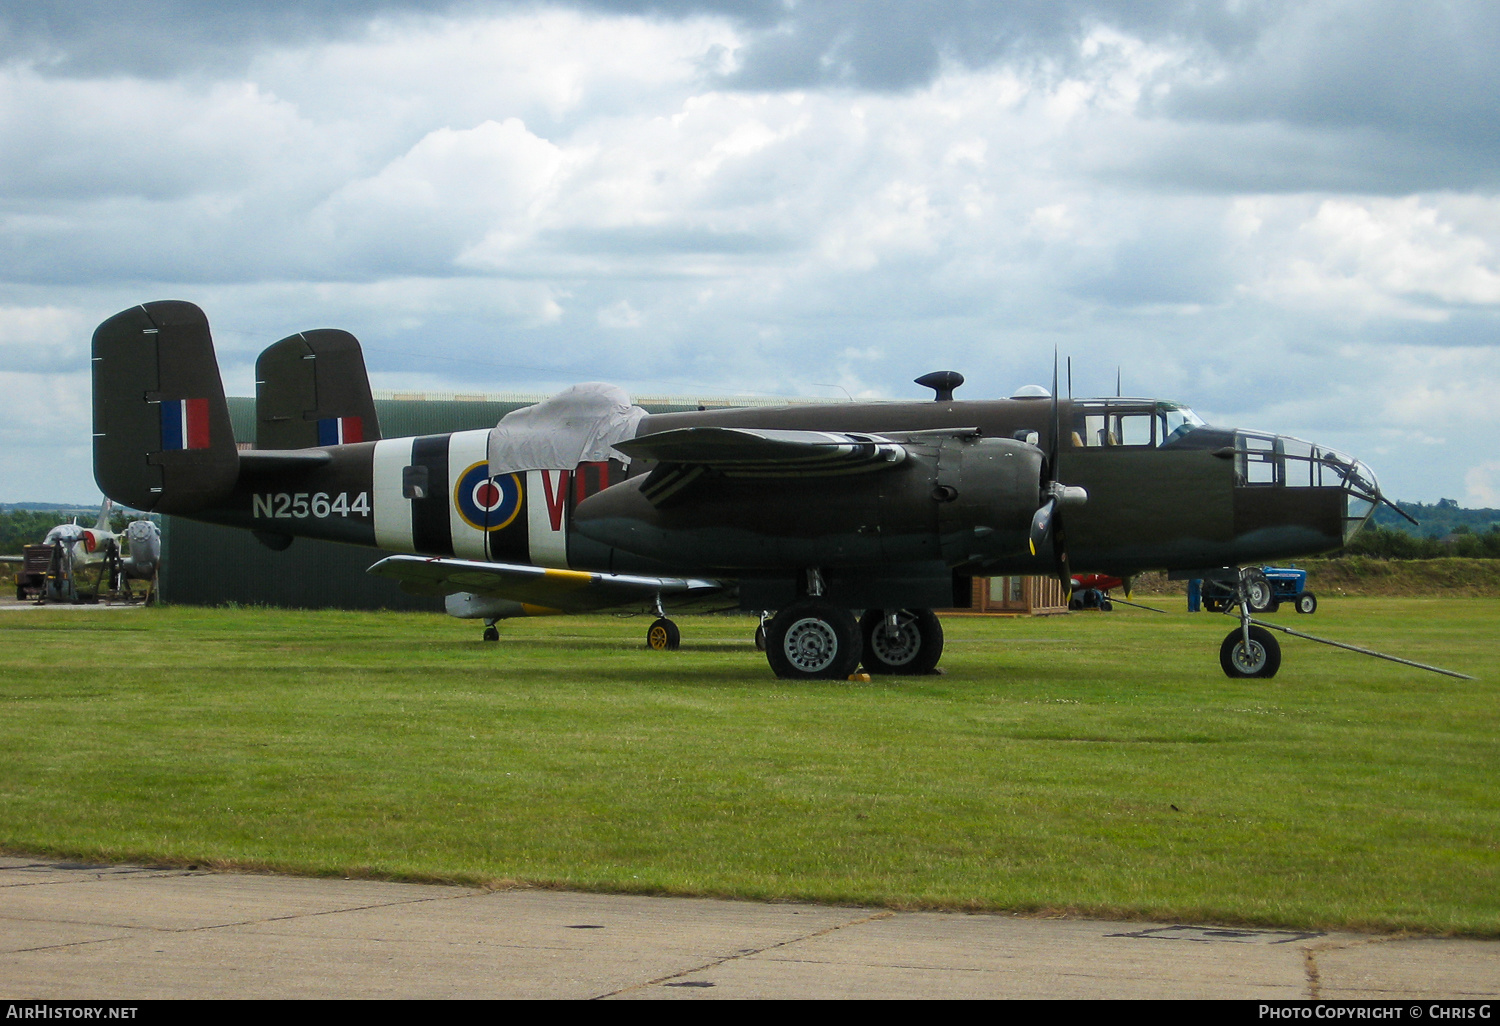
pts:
[1131, 422]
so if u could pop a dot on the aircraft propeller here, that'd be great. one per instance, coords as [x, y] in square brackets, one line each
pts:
[1047, 522]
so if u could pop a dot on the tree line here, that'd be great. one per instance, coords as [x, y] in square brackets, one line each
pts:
[1393, 543]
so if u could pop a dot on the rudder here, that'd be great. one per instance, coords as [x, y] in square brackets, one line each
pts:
[311, 389]
[162, 436]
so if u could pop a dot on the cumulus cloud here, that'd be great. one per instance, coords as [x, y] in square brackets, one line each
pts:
[1483, 485]
[758, 197]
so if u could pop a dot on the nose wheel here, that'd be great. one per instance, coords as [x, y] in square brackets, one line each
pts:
[1255, 655]
[1250, 650]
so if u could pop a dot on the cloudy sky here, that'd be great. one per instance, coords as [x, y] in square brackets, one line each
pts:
[1284, 214]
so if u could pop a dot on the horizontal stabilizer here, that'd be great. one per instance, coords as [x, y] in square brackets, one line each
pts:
[570, 591]
[268, 461]
[748, 452]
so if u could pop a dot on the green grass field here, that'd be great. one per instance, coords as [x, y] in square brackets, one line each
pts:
[1040, 774]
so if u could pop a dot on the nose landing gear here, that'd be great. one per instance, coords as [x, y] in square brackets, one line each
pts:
[1248, 650]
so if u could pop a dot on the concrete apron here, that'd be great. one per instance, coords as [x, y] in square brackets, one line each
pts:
[73, 931]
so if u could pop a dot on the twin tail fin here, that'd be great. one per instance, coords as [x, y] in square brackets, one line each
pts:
[162, 437]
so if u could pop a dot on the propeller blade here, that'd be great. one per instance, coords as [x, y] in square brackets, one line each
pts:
[1056, 422]
[1041, 525]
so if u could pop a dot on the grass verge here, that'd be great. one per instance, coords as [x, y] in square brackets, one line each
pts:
[1098, 763]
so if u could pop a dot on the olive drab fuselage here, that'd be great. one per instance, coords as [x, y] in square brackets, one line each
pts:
[963, 501]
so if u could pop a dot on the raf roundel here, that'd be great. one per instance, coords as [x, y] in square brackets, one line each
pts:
[487, 503]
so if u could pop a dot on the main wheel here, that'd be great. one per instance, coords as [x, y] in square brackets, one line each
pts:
[1261, 659]
[491, 634]
[812, 639]
[663, 635]
[1307, 602]
[1105, 605]
[914, 647]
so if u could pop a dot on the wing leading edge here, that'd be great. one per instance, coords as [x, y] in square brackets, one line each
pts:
[567, 591]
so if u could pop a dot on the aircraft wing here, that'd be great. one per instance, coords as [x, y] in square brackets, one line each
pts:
[756, 452]
[571, 591]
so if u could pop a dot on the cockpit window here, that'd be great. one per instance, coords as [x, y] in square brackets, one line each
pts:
[1176, 421]
[1130, 422]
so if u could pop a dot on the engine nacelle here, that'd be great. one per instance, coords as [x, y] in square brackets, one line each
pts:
[952, 500]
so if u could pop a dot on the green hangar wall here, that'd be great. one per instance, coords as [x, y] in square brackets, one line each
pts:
[204, 565]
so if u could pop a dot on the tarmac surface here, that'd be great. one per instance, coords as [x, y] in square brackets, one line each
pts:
[77, 931]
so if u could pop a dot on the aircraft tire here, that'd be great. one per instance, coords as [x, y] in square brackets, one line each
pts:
[1105, 605]
[491, 634]
[813, 640]
[663, 635]
[1307, 602]
[914, 651]
[1262, 659]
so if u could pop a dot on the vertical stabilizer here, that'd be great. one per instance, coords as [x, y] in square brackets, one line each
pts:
[311, 389]
[162, 438]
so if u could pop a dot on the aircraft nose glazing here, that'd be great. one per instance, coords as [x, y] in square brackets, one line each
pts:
[1292, 463]
[1329, 467]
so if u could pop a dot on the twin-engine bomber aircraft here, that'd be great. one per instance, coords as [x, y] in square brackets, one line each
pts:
[585, 501]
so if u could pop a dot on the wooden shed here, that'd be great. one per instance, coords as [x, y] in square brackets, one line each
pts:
[1016, 596]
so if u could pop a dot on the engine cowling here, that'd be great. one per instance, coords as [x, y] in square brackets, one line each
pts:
[952, 500]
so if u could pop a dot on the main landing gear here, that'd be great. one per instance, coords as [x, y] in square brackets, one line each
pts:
[815, 640]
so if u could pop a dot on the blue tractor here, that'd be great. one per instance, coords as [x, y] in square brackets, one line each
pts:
[1282, 584]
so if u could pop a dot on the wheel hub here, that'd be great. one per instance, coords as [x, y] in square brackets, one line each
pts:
[1252, 660]
[899, 645]
[811, 645]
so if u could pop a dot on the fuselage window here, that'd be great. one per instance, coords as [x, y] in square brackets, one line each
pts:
[1258, 461]
[1135, 429]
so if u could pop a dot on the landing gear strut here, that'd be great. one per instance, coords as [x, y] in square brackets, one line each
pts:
[1248, 650]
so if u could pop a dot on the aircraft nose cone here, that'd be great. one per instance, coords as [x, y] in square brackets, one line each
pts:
[1361, 490]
